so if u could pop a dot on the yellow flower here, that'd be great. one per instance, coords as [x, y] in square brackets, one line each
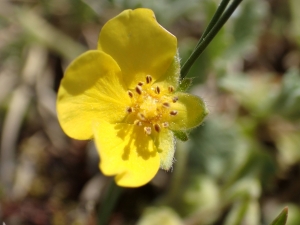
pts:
[124, 96]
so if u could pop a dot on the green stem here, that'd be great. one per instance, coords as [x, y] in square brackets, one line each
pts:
[214, 20]
[241, 210]
[208, 38]
[110, 199]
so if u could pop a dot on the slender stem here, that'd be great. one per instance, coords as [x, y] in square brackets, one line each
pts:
[208, 38]
[214, 20]
[110, 199]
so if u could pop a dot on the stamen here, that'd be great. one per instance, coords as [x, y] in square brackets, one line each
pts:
[148, 79]
[138, 89]
[130, 94]
[138, 123]
[171, 89]
[141, 116]
[173, 113]
[129, 109]
[147, 130]
[175, 99]
[166, 104]
[157, 128]
[165, 124]
[140, 83]
[157, 90]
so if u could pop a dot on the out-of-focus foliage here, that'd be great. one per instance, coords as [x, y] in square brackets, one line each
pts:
[241, 167]
[281, 218]
[160, 215]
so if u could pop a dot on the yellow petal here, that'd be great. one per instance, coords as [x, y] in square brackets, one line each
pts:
[191, 111]
[91, 89]
[165, 143]
[139, 45]
[127, 152]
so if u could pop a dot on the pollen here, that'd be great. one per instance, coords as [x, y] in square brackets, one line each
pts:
[174, 99]
[165, 124]
[173, 113]
[147, 130]
[129, 109]
[151, 106]
[157, 90]
[138, 123]
[170, 89]
[138, 89]
[157, 128]
[130, 94]
[141, 116]
[148, 79]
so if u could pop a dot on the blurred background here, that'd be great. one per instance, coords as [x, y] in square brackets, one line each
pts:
[240, 167]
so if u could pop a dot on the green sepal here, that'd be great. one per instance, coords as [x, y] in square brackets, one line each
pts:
[185, 84]
[281, 218]
[181, 135]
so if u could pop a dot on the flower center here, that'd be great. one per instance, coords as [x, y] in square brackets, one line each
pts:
[151, 106]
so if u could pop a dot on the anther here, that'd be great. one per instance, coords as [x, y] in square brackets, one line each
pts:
[141, 116]
[148, 79]
[147, 130]
[140, 83]
[175, 99]
[129, 109]
[138, 123]
[157, 90]
[157, 128]
[173, 113]
[130, 94]
[166, 104]
[165, 124]
[138, 89]
[171, 89]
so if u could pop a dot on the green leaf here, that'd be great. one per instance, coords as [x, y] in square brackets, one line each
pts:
[251, 14]
[281, 218]
[288, 100]
[295, 19]
[181, 135]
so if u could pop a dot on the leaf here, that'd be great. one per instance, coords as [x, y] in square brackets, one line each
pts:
[281, 218]
[288, 100]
